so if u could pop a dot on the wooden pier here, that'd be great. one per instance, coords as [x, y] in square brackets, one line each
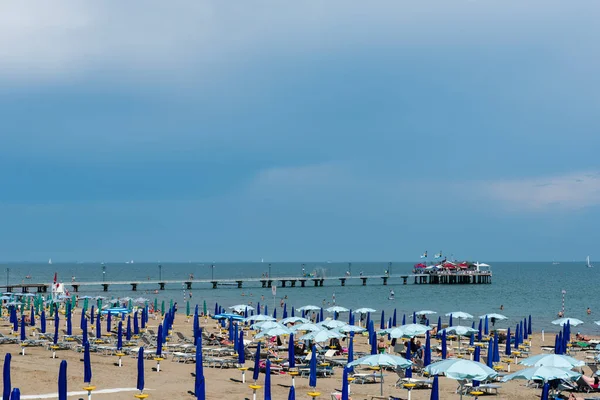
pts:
[301, 282]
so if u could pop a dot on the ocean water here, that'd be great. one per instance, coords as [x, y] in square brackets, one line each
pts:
[522, 288]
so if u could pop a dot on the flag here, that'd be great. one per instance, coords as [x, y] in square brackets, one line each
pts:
[424, 255]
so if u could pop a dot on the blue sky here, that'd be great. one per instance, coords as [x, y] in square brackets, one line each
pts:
[310, 131]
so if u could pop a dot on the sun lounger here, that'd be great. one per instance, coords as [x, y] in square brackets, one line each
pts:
[183, 357]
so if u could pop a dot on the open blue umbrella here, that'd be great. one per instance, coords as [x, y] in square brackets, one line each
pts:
[345, 394]
[256, 362]
[435, 389]
[292, 395]
[98, 327]
[291, 352]
[427, 355]
[128, 333]
[43, 322]
[16, 394]
[120, 336]
[140, 370]
[87, 364]
[444, 346]
[508, 350]
[159, 341]
[268, 380]
[312, 379]
[6, 377]
[23, 333]
[199, 383]
[62, 381]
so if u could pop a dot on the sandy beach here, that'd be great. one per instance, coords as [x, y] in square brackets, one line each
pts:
[36, 373]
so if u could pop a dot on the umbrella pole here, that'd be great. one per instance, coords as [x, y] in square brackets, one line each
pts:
[461, 389]
[381, 372]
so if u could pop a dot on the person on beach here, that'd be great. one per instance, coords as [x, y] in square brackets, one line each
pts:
[381, 346]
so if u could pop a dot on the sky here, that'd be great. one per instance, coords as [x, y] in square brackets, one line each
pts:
[338, 130]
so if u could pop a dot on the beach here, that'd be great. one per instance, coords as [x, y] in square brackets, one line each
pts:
[36, 373]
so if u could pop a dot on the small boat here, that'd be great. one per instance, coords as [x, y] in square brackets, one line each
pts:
[391, 296]
[49, 261]
[587, 262]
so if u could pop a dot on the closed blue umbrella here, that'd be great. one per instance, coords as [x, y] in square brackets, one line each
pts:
[408, 371]
[84, 333]
[140, 370]
[496, 348]
[521, 331]
[43, 322]
[435, 389]
[266, 310]
[120, 336]
[545, 391]
[108, 321]
[56, 324]
[351, 350]
[312, 381]
[525, 333]
[199, 383]
[6, 377]
[450, 321]
[92, 315]
[368, 319]
[275, 312]
[257, 308]
[345, 394]
[15, 320]
[217, 308]
[136, 327]
[373, 343]
[159, 341]
[529, 328]
[477, 354]
[69, 322]
[16, 394]
[490, 353]
[256, 362]
[32, 317]
[87, 364]
[556, 349]
[268, 380]
[98, 327]
[382, 323]
[444, 346]
[292, 394]
[240, 349]
[479, 333]
[144, 317]
[439, 324]
[394, 318]
[291, 352]
[427, 355]
[285, 310]
[23, 333]
[414, 317]
[128, 333]
[293, 312]
[508, 339]
[517, 336]
[321, 314]
[486, 329]
[62, 381]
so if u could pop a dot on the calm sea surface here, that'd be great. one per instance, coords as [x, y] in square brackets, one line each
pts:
[522, 288]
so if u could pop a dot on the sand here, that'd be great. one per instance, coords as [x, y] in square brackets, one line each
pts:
[36, 374]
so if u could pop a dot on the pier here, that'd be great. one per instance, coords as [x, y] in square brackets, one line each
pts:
[263, 282]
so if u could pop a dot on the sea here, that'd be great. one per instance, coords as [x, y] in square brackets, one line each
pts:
[539, 289]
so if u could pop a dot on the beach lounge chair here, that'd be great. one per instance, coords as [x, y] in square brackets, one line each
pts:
[584, 386]
[183, 338]
[337, 396]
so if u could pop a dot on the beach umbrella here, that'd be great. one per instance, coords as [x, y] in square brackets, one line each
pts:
[508, 349]
[368, 321]
[444, 346]
[496, 348]
[529, 328]
[268, 380]
[62, 381]
[494, 315]
[382, 360]
[23, 333]
[427, 355]
[294, 320]
[525, 333]
[128, 333]
[490, 354]
[200, 382]
[256, 362]
[292, 394]
[159, 341]
[450, 323]
[486, 329]
[312, 381]
[32, 317]
[479, 331]
[120, 336]
[204, 309]
[321, 314]
[87, 364]
[517, 336]
[570, 321]
[69, 323]
[293, 312]
[414, 317]
[394, 318]
[345, 394]
[291, 352]
[16, 394]
[162, 308]
[406, 331]
[140, 370]
[382, 323]
[521, 331]
[322, 336]
[543, 373]
[435, 389]
[84, 333]
[351, 350]
[408, 356]
[552, 360]
[306, 327]
[240, 349]
[56, 324]
[98, 327]
[373, 341]
[439, 324]
[43, 322]
[332, 323]
[136, 328]
[92, 315]
[6, 377]
[275, 312]
[545, 391]
[266, 310]
[108, 322]
[284, 314]
[461, 370]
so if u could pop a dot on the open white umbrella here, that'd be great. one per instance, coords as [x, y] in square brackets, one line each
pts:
[494, 315]
[460, 369]
[321, 336]
[279, 331]
[350, 328]
[406, 331]
[459, 315]
[337, 309]
[364, 310]
[564, 321]
[241, 308]
[306, 327]
[552, 360]
[543, 374]
[259, 317]
[382, 360]
[425, 312]
[309, 308]
[266, 325]
[294, 320]
[332, 323]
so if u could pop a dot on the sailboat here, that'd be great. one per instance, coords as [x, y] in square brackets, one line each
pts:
[49, 261]
[587, 262]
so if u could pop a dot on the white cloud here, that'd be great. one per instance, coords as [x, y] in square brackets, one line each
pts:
[570, 191]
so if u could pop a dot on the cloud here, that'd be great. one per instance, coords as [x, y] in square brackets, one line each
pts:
[571, 191]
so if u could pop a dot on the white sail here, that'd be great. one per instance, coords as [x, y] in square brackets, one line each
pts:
[49, 261]
[587, 261]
